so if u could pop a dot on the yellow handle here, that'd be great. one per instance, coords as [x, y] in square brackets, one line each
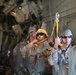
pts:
[57, 27]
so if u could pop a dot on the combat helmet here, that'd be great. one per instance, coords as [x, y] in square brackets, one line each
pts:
[67, 32]
[32, 28]
[42, 29]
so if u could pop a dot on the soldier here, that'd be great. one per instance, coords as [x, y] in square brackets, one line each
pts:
[41, 34]
[36, 64]
[21, 52]
[61, 54]
[31, 36]
[20, 68]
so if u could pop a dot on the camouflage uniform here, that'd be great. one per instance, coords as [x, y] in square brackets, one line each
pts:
[62, 64]
[19, 60]
[72, 61]
[40, 61]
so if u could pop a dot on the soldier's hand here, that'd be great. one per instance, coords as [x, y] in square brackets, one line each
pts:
[57, 42]
[50, 39]
[34, 41]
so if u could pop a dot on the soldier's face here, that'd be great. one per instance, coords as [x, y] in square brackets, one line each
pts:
[66, 40]
[32, 33]
[40, 37]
